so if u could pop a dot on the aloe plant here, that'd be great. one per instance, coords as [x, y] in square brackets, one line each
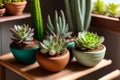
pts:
[113, 10]
[99, 7]
[37, 19]
[59, 26]
[78, 14]
[88, 41]
[53, 45]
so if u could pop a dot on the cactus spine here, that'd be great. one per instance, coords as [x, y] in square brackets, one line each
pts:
[78, 14]
[37, 19]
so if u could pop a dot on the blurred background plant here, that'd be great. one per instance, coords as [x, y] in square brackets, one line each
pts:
[110, 9]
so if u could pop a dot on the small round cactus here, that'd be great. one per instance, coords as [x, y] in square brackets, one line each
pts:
[88, 41]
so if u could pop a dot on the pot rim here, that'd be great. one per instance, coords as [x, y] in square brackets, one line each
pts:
[23, 49]
[94, 52]
[55, 57]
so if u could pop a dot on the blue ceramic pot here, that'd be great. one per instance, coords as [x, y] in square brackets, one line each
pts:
[26, 56]
[69, 47]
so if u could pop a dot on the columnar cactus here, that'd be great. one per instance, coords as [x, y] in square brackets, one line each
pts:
[37, 19]
[88, 41]
[78, 14]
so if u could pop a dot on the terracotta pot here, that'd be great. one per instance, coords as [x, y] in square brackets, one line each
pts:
[2, 11]
[91, 58]
[53, 64]
[15, 8]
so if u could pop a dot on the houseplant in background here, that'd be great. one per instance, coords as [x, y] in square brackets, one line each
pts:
[78, 13]
[23, 46]
[89, 50]
[53, 55]
[60, 27]
[15, 7]
[110, 18]
[2, 9]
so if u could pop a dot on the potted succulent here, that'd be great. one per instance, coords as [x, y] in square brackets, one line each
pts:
[89, 50]
[15, 7]
[53, 55]
[23, 46]
[107, 14]
[2, 9]
[61, 29]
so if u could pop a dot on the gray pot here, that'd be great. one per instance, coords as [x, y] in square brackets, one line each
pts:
[89, 58]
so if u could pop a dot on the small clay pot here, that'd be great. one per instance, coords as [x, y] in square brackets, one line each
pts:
[2, 11]
[53, 64]
[15, 8]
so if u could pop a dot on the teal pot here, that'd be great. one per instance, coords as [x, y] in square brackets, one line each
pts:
[69, 47]
[26, 56]
[91, 58]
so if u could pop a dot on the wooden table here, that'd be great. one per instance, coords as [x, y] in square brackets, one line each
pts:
[34, 72]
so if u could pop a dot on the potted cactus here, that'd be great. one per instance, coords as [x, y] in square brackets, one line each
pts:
[15, 7]
[60, 27]
[89, 50]
[2, 9]
[23, 46]
[53, 55]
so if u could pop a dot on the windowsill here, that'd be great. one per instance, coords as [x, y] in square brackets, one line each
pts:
[105, 23]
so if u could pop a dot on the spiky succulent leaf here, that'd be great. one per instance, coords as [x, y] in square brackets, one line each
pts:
[53, 45]
[88, 41]
[22, 33]
[59, 26]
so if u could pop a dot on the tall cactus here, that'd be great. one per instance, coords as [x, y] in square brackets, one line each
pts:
[78, 14]
[37, 20]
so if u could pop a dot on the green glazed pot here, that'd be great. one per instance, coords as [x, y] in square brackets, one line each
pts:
[69, 47]
[26, 56]
[89, 59]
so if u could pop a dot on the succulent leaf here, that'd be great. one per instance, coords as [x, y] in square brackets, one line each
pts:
[88, 41]
[53, 45]
[22, 33]
[59, 27]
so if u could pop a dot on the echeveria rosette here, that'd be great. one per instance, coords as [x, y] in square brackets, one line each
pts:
[53, 45]
[88, 41]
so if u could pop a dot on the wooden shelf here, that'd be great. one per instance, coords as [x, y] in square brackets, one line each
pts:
[10, 18]
[34, 72]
